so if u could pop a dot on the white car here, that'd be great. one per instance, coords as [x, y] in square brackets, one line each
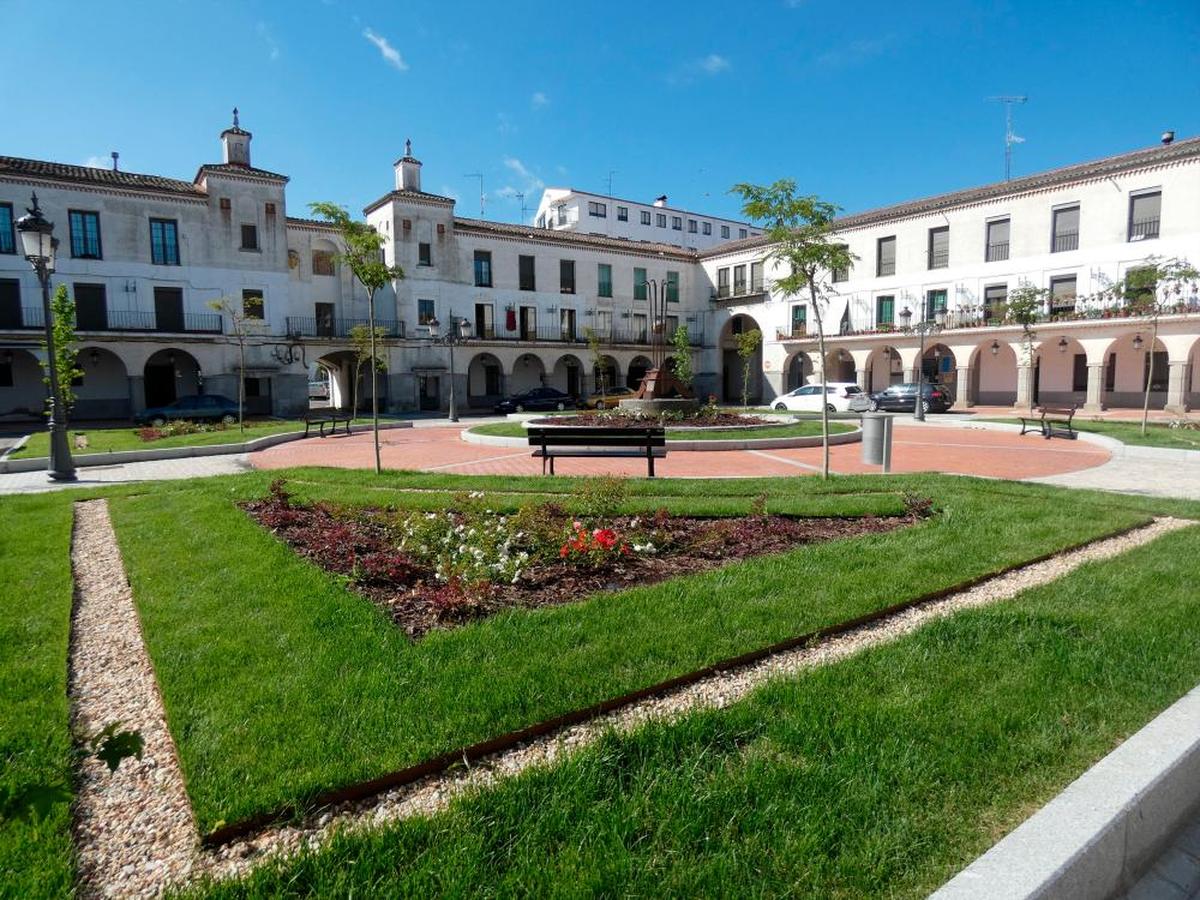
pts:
[807, 397]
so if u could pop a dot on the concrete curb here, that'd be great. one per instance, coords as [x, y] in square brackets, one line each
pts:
[1118, 449]
[1097, 837]
[120, 457]
[848, 437]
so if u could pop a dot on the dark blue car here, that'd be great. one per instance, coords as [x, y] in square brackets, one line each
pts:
[536, 400]
[200, 408]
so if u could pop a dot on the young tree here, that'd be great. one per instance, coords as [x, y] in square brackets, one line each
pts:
[598, 367]
[747, 343]
[361, 251]
[238, 319]
[683, 356]
[365, 349]
[66, 354]
[799, 230]
[1150, 290]
[1023, 307]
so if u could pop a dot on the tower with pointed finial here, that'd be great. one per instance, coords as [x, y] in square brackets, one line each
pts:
[408, 170]
[235, 142]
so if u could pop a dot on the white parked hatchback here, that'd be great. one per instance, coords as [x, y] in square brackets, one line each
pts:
[807, 397]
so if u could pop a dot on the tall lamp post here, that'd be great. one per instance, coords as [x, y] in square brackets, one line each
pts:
[39, 246]
[456, 333]
[922, 328]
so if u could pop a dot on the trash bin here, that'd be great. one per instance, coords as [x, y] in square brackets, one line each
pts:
[877, 440]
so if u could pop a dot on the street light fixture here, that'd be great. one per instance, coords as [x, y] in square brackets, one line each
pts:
[39, 246]
[922, 329]
[458, 331]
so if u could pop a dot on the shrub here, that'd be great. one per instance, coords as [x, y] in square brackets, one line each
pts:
[601, 498]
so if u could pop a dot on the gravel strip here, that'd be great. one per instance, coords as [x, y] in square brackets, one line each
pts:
[433, 794]
[133, 828]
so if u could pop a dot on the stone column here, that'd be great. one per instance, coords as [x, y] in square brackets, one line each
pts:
[962, 384]
[1024, 386]
[1095, 389]
[137, 393]
[1177, 387]
[861, 376]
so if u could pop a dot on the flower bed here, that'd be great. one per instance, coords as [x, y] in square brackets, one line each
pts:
[705, 418]
[432, 570]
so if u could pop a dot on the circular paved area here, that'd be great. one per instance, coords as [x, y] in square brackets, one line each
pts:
[929, 448]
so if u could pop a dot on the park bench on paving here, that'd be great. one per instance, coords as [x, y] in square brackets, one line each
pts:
[1049, 419]
[331, 419]
[647, 443]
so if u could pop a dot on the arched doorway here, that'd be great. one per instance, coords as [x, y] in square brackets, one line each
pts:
[528, 372]
[22, 392]
[799, 369]
[485, 380]
[1062, 372]
[994, 374]
[103, 390]
[839, 366]
[637, 371]
[732, 364]
[567, 375]
[884, 368]
[337, 369]
[940, 367]
[170, 374]
[606, 373]
[1129, 362]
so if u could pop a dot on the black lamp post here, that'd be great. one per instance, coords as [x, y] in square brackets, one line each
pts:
[457, 332]
[922, 328]
[39, 246]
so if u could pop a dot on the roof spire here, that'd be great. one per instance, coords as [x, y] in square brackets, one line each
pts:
[235, 118]
[408, 147]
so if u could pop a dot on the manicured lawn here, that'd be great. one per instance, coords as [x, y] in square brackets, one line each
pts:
[112, 440]
[1156, 435]
[36, 857]
[798, 429]
[881, 775]
[280, 683]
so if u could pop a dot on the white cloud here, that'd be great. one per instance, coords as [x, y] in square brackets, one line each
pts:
[389, 53]
[504, 123]
[714, 63]
[855, 52]
[706, 67]
[269, 39]
[538, 100]
[98, 162]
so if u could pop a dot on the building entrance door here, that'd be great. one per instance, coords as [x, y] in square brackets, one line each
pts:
[429, 388]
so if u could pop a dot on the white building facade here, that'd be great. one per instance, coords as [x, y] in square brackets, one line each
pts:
[145, 257]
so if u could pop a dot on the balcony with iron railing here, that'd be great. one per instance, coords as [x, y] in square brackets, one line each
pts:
[886, 267]
[122, 320]
[1065, 241]
[338, 327]
[939, 259]
[1143, 229]
[740, 291]
[997, 252]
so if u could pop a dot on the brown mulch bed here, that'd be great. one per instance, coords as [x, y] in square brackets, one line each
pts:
[362, 547]
[612, 420]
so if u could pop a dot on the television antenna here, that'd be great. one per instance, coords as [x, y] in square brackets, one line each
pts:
[478, 175]
[520, 195]
[611, 173]
[1009, 138]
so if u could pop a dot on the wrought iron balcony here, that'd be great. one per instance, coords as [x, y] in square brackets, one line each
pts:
[125, 320]
[1143, 229]
[339, 327]
[939, 259]
[1065, 241]
[997, 252]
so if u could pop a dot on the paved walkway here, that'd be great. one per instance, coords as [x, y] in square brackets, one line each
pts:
[128, 473]
[958, 450]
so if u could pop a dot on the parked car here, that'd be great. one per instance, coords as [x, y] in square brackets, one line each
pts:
[609, 399]
[198, 408]
[537, 399]
[807, 397]
[318, 389]
[903, 398]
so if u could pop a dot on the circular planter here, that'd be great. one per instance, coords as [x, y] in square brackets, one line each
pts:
[749, 443]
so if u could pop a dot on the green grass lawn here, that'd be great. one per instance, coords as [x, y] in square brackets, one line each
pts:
[35, 743]
[881, 775]
[113, 440]
[798, 429]
[280, 683]
[1157, 435]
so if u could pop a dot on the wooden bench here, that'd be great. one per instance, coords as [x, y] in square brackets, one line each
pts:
[330, 419]
[1048, 419]
[649, 443]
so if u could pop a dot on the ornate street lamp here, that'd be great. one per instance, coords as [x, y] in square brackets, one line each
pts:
[995, 348]
[457, 332]
[1062, 345]
[922, 329]
[39, 246]
[1137, 342]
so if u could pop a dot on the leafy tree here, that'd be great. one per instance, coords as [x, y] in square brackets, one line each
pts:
[598, 367]
[361, 251]
[366, 347]
[1024, 307]
[66, 353]
[683, 356]
[1151, 289]
[747, 343]
[801, 237]
[238, 319]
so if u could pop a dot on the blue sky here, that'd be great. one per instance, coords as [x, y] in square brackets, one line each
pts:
[863, 103]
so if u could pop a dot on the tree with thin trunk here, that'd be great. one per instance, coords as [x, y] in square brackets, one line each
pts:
[599, 370]
[66, 353]
[800, 234]
[684, 372]
[365, 349]
[238, 319]
[1024, 307]
[747, 343]
[1152, 289]
[362, 251]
